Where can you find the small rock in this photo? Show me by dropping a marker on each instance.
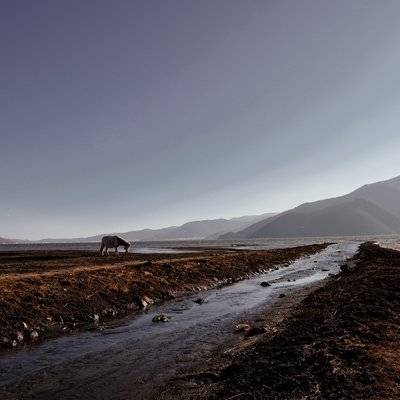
(25, 325)
(148, 300)
(14, 343)
(199, 301)
(168, 267)
(161, 318)
(256, 331)
(143, 303)
(242, 328)
(265, 284)
(34, 335)
(49, 319)
(20, 336)
(282, 295)
(344, 268)
(148, 273)
(96, 318)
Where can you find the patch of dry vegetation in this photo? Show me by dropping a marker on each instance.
(44, 294)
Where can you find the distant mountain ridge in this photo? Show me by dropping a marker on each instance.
(372, 209)
(10, 241)
(204, 229)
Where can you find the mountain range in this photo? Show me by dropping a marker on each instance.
(8, 241)
(204, 229)
(373, 209)
(4, 240)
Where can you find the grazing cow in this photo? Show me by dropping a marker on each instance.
(113, 242)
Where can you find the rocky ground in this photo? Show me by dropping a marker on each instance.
(49, 293)
(341, 342)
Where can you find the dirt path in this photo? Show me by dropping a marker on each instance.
(42, 261)
(118, 263)
(133, 360)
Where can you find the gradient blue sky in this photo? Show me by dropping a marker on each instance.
(118, 115)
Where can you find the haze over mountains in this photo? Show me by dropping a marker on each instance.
(205, 229)
(372, 209)
(9, 241)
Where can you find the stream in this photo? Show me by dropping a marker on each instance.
(133, 358)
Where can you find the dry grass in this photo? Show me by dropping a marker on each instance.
(53, 293)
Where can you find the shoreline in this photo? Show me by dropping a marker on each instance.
(48, 294)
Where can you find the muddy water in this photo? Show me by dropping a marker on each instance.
(132, 360)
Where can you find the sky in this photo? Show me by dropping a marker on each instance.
(121, 115)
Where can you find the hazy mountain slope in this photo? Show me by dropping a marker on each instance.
(5, 241)
(10, 241)
(240, 223)
(371, 209)
(194, 229)
(385, 194)
(249, 231)
(353, 217)
(190, 230)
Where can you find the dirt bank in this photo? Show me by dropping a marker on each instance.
(341, 343)
(45, 294)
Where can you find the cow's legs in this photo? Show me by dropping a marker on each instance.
(101, 249)
(116, 251)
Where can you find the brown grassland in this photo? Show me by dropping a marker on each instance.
(49, 293)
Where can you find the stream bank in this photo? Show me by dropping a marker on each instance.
(45, 294)
(135, 359)
(340, 343)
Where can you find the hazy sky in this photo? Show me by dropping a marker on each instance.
(117, 115)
